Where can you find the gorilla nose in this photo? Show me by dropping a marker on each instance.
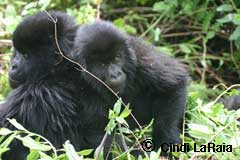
(116, 74)
(13, 67)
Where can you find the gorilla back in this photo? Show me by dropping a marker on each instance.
(44, 95)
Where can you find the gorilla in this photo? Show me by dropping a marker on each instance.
(153, 83)
(44, 96)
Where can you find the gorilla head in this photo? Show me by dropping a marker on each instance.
(152, 82)
(44, 97)
(104, 51)
(36, 55)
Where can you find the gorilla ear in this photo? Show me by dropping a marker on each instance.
(133, 56)
(58, 59)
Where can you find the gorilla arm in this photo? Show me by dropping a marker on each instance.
(167, 81)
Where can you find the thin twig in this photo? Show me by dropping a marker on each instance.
(224, 92)
(124, 142)
(127, 9)
(85, 70)
(152, 26)
(233, 59)
(204, 63)
(100, 147)
(218, 78)
(181, 34)
(98, 10)
(234, 5)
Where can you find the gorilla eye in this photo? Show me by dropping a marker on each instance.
(118, 57)
(25, 56)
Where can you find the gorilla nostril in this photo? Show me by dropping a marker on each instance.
(13, 67)
(115, 75)
(119, 73)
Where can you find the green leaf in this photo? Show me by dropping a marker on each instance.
(184, 48)
(125, 130)
(233, 92)
(110, 126)
(119, 22)
(117, 107)
(130, 29)
(5, 131)
(33, 155)
(235, 34)
(149, 125)
(30, 143)
(236, 19)
(160, 6)
(16, 124)
(7, 141)
(228, 18)
(125, 113)
(225, 8)
(100, 155)
(86, 152)
(237, 44)
(44, 156)
(3, 150)
(165, 50)
(70, 151)
(210, 35)
(235, 141)
(200, 131)
(111, 114)
(44, 3)
(121, 121)
(154, 155)
(217, 109)
(157, 34)
(10, 11)
(207, 21)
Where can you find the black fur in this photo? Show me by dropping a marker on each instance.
(44, 95)
(155, 84)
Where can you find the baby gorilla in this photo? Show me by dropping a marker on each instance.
(44, 95)
(153, 83)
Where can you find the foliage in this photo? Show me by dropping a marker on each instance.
(37, 144)
(204, 34)
(211, 123)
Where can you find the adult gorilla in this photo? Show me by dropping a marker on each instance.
(153, 83)
(44, 93)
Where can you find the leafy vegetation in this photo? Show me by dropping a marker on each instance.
(203, 34)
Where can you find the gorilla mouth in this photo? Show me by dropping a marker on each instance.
(14, 83)
(15, 80)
